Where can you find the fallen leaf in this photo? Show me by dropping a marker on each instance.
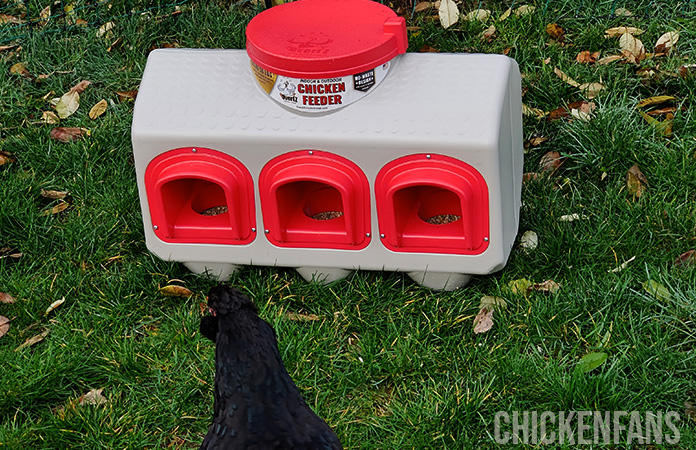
(428, 49)
(550, 162)
(537, 141)
(492, 302)
(422, 6)
(583, 111)
(93, 397)
(6, 18)
(127, 95)
(6, 157)
(478, 14)
(623, 12)
(657, 290)
(173, 290)
(565, 78)
(585, 57)
(6, 298)
(68, 104)
(535, 112)
(663, 127)
(547, 286)
(98, 109)
(64, 134)
(33, 340)
(505, 15)
(50, 117)
(555, 31)
(652, 101)
(636, 181)
(686, 259)
(54, 305)
(529, 240)
(54, 195)
(6, 252)
(686, 70)
(572, 217)
(520, 286)
(483, 321)
(448, 13)
(80, 87)
(45, 15)
(665, 110)
(4, 325)
(690, 411)
(60, 207)
(488, 34)
(530, 176)
(104, 29)
(618, 31)
(609, 59)
(632, 48)
(21, 70)
(524, 10)
(590, 362)
(622, 266)
(666, 42)
(7, 47)
(591, 90)
(297, 317)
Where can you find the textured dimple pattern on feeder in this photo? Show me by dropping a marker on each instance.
(194, 91)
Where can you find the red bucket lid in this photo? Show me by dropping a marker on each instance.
(325, 38)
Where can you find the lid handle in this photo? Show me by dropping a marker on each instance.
(397, 27)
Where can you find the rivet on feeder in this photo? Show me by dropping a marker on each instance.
(194, 150)
(155, 227)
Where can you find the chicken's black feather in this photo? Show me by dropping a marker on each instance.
(257, 405)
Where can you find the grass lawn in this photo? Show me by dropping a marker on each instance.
(388, 364)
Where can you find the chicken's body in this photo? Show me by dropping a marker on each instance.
(257, 405)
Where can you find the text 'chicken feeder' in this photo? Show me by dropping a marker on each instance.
(323, 147)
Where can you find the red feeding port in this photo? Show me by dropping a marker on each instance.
(432, 204)
(198, 195)
(315, 199)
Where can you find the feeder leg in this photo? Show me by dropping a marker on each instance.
(220, 271)
(323, 275)
(440, 281)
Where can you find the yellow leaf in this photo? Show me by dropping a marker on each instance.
(636, 181)
(54, 305)
(50, 117)
(524, 10)
(33, 340)
(591, 90)
(478, 14)
(173, 290)
(664, 127)
(520, 286)
(60, 207)
(98, 109)
(565, 77)
(68, 104)
(448, 13)
(652, 101)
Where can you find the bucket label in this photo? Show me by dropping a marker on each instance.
(319, 94)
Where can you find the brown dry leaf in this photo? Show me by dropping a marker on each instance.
(591, 90)
(550, 162)
(632, 48)
(666, 42)
(524, 10)
(636, 181)
(117, 43)
(50, 117)
(530, 176)
(98, 109)
(690, 411)
(45, 15)
(33, 340)
(565, 78)
(448, 13)
(172, 290)
(105, 30)
(6, 252)
(505, 15)
(21, 70)
(428, 49)
(534, 112)
(585, 57)
(6, 157)
(54, 305)
(6, 298)
(618, 31)
(555, 31)
(6, 18)
(298, 317)
(609, 59)
(652, 101)
(478, 15)
(686, 259)
(60, 207)
(583, 111)
(686, 70)
(127, 95)
(483, 321)
(422, 6)
(68, 134)
(93, 397)
(80, 87)
(623, 12)
(488, 34)
(536, 141)
(659, 112)
(4, 325)
(54, 195)
(549, 286)
(7, 47)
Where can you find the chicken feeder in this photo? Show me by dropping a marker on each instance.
(326, 148)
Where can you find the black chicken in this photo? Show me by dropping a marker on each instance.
(257, 405)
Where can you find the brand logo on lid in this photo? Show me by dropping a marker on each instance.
(309, 44)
